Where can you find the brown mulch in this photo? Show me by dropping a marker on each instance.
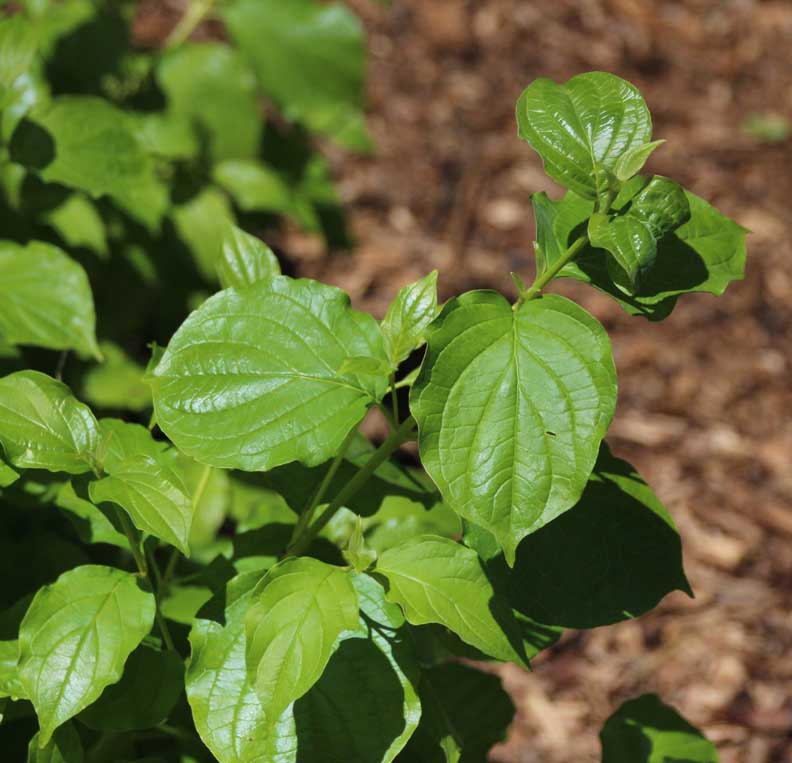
(705, 407)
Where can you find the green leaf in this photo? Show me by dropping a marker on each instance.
(17, 51)
(299, 610)
(254, 187)
(629, 241)
(10, 685)
(211, 84)
(76, 637)
(400, 518)
(644, 730)
(45, 299)
(583, 127)
(511, 407)
(202, 223)
(245, 259)
(42, 426)
(79, 224)
(704, 254)
(210, 489)
(143, 698)
(153, 495)
(64, 747)
(117, 382)
(8, 476)
(357, 553)
(465, 713)
(409, 315)
(121, 440)
(631, 162)
(90, 524)
(246, 362)
(436, 580)
(614, 556)
(87, 143)
(309, 57)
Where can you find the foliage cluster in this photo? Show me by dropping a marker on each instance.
(248, 579)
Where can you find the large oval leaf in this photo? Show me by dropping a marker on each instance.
(76, 637)
(436, 580)
(299, 610)
(42, 426)
(253, 378)
(45, 299)
(511, 407)
(583, 126)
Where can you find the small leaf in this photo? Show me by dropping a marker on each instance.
(511, 407)
(408, 317)
(253, 186)
(8, 476)
(247, 361)
(76, 637)
(143, 698)
(359, 556)
(299, 610)
(45, 299)
(117, 382)
(211, 84)
(436, 580)
(644, 730)
(79, 224)
(631, 162)
(583, 127)
(64, 747)
(120, 440)
(153, 495)
(42, 426)
(629, 241)
(245, 260)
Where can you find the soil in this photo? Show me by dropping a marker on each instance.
(705, 403)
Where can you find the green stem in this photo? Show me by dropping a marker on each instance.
(394, 399)
(195, 14)
(542, 280)
(143, 569)
(316, 499)
(396, 438)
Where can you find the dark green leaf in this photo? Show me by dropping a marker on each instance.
(511, 407)
(76, 637)
(248, 361)
(644, 730)
(64, 747)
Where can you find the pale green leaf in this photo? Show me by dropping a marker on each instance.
(64, 747)
(511, 407)
(253, 186)
(248, 361)
(582, 128)
(144, 697)
(8, 476)
(154, 497)
(42, 426)
(79, 224)
(76, 637)
(117, 382)
(644, 730)
(210, 489)
(408, 317)
(364, 366)
(10, 685)
(245, 259)
(45, 299)
(87, 143)
(309, 57)
(210, 83)
(436, 580)
(167, 134)
(120, 440)
(631, 162)
(17, 50)
(298, 612)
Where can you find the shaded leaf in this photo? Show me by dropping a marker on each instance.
(64, 747)
(117, 382)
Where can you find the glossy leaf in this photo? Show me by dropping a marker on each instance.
(245, 259)
(212, 85)
(436, 580)
(644, 730)
(298, 612)
(153, 495)
(76, 637)
(631, 162)
(409, 315)
(121, 440)
(629, 241)
(309, 57)
(247, 361)
(705, 254)
(45, 299)
(143, 698)
(86, 143)
(583, 127)
(42, 426)
(511, 407)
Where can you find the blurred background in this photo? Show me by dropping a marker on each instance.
(705, 407)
